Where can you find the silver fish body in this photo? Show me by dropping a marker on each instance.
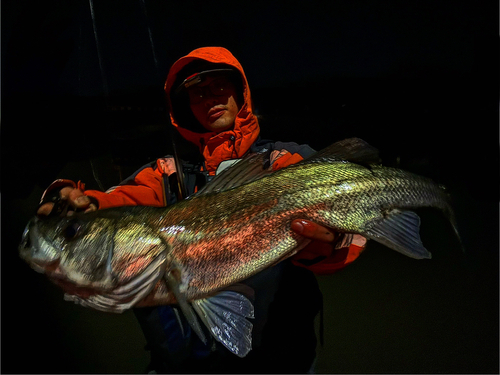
(244, 230)
(135, 256)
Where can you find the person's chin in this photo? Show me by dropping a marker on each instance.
(219, 126)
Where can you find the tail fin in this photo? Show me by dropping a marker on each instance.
(450, 215)
(453, 221)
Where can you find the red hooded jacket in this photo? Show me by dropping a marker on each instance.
(146, 187)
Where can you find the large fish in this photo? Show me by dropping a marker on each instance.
(195, 252)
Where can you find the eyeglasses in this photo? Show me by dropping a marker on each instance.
(218, 87)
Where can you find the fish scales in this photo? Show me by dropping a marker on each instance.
(122, 257)
(213, 255)
(221, 238)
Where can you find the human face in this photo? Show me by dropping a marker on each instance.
(213, 103)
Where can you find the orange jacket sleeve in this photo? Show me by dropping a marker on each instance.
(320, 257)
(144, 189)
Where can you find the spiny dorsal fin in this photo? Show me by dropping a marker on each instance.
(257, 165)
(353, 150)
(250, 168)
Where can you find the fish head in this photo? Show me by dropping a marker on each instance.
(106, 254)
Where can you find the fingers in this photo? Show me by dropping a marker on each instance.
(74, 197)
(312, 230)
(45, 209)
(92, 207)
(78, 201)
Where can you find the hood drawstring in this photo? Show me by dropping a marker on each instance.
(233, 139)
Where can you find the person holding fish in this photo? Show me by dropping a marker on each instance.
(210, 106)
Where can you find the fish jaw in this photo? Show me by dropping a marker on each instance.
(36, 250)
(144, 287)
(108, 261)
(45, 258)
(47, 252)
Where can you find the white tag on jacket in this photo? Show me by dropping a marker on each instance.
(226, 164)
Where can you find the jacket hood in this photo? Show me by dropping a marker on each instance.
(215, 147)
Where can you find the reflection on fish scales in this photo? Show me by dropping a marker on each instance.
(194, 252)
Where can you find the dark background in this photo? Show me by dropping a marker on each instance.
(82, 99)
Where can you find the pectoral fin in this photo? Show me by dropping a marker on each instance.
(186, 309)
(225, 316)
(399, 230)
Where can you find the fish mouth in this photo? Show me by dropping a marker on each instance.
(106, 294)
(40, 253)
(124, 296)
(37, 250)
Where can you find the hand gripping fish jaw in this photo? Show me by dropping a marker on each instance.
(52, 195)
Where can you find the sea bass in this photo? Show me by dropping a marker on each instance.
(194, 252)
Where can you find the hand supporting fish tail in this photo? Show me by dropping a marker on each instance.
(313, 231)
(329, 251)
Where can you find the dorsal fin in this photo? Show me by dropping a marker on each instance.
(257, 165)
(353, 150)
(248, 169)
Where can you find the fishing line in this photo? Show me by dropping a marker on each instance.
(99, 52)
(103, 80)
(150, 34)
(181, 186)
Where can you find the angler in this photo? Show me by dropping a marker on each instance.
(210, 106)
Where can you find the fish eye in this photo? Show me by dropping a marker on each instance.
(72, 230)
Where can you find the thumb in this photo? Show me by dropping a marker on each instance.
(312, 230)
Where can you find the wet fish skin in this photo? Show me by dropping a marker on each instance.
(138, 256)
(246, 229)
(109, 253)
(221, 238)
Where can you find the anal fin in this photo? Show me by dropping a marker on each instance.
(225, 314)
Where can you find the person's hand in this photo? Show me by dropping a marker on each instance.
(312, 230)
(69, 195)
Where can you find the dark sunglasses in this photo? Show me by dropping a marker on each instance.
(218, 87)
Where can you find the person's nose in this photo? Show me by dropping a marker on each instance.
(210, 100)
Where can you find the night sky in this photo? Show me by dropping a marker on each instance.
(82, 98)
